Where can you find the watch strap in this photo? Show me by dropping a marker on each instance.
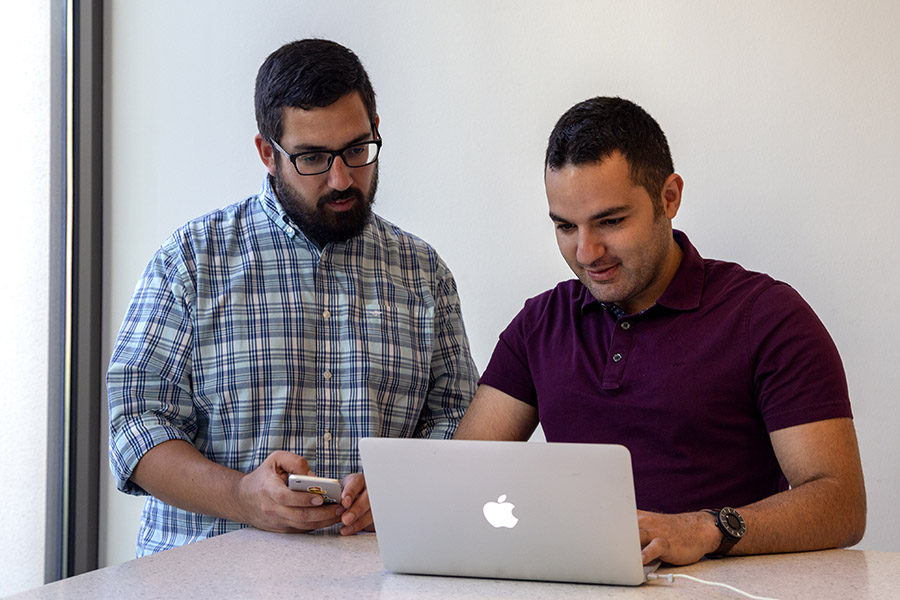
(728, 540)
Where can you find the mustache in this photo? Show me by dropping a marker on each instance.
(351, 192)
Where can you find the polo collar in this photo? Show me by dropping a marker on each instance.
(683, 292)
(686, 287)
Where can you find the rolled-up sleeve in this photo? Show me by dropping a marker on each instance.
(149, 377)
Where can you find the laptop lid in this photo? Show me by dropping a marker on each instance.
(514, 510)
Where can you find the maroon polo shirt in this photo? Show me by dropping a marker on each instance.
(692, 386)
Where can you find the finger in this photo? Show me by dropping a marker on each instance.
(284, 463)
(355, 497)
(357, 512)
(353, 486)
(364, 521)
(359, 507)
(655, 549)
(646, 536)
(297, 498)
(286, 518)
(308, 519)
(358, 516)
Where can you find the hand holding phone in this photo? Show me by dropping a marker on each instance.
(329, 489)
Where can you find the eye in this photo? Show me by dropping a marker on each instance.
(312, 158)
(612, 222)
(565, 227)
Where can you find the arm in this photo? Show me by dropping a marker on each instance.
(825, 507)
(495, 415)
(176, 473)
(453, 375)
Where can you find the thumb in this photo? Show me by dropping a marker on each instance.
(288, 462)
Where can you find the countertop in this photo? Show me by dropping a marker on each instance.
(255, 564)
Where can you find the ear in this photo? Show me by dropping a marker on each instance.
(671, 194)
(377, 123)
(266, 153)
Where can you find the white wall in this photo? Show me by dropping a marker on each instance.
(782, 118)
(24, 333)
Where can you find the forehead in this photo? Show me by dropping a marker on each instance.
(330, 126)
(590, 188)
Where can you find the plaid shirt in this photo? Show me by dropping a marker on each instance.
(243, 337)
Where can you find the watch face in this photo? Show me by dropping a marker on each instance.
(732, 522)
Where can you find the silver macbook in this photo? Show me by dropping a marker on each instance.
(512, 510)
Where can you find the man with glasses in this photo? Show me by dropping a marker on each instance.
(269, 336)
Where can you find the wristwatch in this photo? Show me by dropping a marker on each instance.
(731, 524)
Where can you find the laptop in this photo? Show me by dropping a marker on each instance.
(509, 510)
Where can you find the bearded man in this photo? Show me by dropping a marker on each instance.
(267, 337)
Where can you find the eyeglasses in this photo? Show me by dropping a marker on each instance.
(317, 162)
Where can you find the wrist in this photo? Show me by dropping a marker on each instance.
(235, 503)
(731, 526)
(712, 535)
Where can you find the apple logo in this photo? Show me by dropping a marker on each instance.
(499, 513)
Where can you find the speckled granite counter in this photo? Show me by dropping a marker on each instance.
(260, 565)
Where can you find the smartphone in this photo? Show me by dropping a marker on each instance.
(329, 489)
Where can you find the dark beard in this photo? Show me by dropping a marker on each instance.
(321, 225)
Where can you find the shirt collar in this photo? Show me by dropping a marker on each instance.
(686, 287)
(682, 293)
(274, 210)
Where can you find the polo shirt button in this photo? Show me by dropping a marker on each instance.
(327, 374)
(326, 313)
(617, 357)
(625, 325)
(327, 436)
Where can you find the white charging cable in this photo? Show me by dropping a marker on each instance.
(671, 576)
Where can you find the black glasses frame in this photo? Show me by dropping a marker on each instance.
(333, 153)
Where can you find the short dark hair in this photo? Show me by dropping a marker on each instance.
(593, 130)
(305, 74)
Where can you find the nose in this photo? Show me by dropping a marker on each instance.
(591, 248)
(339, 177)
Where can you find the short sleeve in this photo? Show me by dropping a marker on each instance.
(508, 369)
(798, 373)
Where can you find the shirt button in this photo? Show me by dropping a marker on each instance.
(625, 325)
(326, 313)
(327, 436)
(616, 357)
(327, 374)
